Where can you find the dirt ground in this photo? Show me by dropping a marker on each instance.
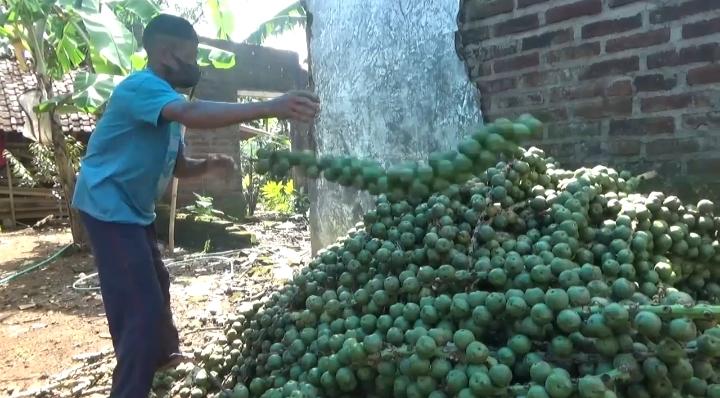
(53, 337)
(43, 322)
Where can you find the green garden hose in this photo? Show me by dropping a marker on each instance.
(35, 266)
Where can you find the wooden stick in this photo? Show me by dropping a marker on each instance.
(173, 207)
(12, 197)
(173, 210)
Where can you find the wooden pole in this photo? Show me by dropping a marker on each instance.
(12, 195)
(173, 207)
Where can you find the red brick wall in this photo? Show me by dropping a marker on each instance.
(629, 83)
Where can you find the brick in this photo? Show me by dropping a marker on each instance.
(666, 102)
(474, 36)
(497, 51)
(548, 115)
(642, 126)
(584, 50)
(620, 88)
(604, 107)
(561, 94)
(481, 9)
(665, 146)
(497, 85)
(611, 26)
(638, 40)
(679, 11)
(704, 75)
(669, 102)
(709, 52)
(562, 150)
(574, 130)
(612, 67)
(655, 82)
(573, 10)
(519, 100)
(703, 166)
(518, 62)
(545, 78)
(548, 39)
(517, 25)
(528, 3)
(620, 3)
(701, 28)
(623, 147)
(702, 121)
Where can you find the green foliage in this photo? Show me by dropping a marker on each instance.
(62, 36)
(278, 196)
(252, 181)
(301, 202)
(222, 17)
(192, 10)
(19, 171)
(207, 246)
(291, 17)
(203, 208)
(46, 171)
(43, 170)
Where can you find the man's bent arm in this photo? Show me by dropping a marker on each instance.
(188, 167)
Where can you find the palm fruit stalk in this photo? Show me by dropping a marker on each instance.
(413, 181)
(522, 280)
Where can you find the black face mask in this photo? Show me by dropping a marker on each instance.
(185, 75)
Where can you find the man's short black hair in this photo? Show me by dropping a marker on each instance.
(168, 26)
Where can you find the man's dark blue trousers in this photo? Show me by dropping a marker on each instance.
(135, 287)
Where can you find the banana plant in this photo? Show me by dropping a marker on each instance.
(290, 17)
(92, 38)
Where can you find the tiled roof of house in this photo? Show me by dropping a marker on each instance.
(13, 83)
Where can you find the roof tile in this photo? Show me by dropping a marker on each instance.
(14, 83)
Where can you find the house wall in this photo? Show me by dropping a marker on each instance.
(630, 83)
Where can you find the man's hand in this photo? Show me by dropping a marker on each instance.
(222, 165)
(298, 105)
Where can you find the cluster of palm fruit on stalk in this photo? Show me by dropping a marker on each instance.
(408, 181)
(525, 281)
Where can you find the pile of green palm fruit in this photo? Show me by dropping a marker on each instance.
(473, 278)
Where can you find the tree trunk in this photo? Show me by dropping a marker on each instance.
(392, 88)
(67, 184)
(66, 173)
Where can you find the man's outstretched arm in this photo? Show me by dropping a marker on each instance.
(209, 115)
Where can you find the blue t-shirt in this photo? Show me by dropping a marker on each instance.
(131, 154)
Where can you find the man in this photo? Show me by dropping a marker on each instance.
(131, 157)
